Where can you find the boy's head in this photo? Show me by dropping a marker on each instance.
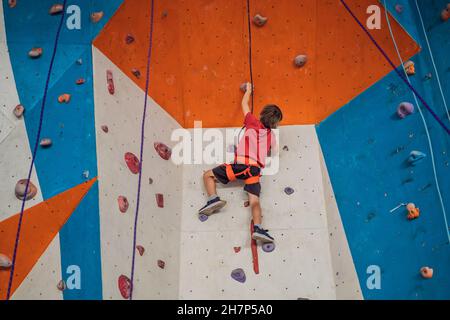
(270, 116)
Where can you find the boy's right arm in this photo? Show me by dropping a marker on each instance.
(246, 99)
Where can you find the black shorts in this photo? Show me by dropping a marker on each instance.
(221, 174)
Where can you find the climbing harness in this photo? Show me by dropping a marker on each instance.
(138, 197)
(233, 176)
(35, 148)
(415, 95)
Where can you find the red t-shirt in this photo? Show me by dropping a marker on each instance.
(256, 142)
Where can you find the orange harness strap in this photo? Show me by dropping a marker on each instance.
(233, 176)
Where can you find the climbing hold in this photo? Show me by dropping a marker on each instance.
(124, 284)
(61, 285)
(20, 190)
(426, 272)
(288, 191)
(129, 39)
(268, 247)
(96, 16)
(35, 53)
(86, 174)
(399, 8)
(80, 62)
(243, 87)
(416, 157)
(56, 9)
(164, 14)
(110, 81)
(409, 68)
(160, 200)
(259, 20)
(445, 14)
(413, 212)
(202, 217)
(161, 264)
(140, 249)
(246, 203)
(45, 142)
(150, 180)
(237, 249)
(80, 81)
(285, 148)
(163, 150)
(300, 60)
(12, 3)
(238, 275)
(123, 203)
(19, 110)
(105, 128)
(405, 109)
(132, 162)
(5, 262)
(64, 98)
(136, 73)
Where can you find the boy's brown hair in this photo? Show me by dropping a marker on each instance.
(270, 116)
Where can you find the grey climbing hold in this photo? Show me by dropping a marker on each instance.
(416, 157)
(259, 20)
(80, 62)
(20, 190)
(238, 275)
(202, 217)
(268, 247)
(19, 110)
(300, 60)
(288, 191)
(86, 174)
(5, 262)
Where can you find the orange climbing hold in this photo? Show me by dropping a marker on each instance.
(35, 53)
(96, 16)
(80, 81)
(56, 9)
(413, 212)
(64, 98)
(426, 272)
(410, 68)
(445, 14)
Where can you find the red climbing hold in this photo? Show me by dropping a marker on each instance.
(12, 3)
(124, 284)
(445, 14)
(20, 190)
(132, 162)
(5, 262)
(105, 128)
(110, 81)
(123, 203)
(129, 39)
(161, 264)
(160, 200)
(19, 110)
(96, 16)
(259, 20)
(35, 53)
(64, 98)
(80, 81)
(163, 150)
(56, 9)
(140, 249)
(237, 249)
(61, 285)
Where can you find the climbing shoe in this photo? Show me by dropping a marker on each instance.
(212, 206)
(261, 234)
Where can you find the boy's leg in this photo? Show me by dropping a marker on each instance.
(258, 232)
(214, 202)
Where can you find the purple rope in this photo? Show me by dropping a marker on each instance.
(395, 68)
(36, 144)
(149, 55)
(250, 50)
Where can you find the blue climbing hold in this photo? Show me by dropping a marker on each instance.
(416, 157)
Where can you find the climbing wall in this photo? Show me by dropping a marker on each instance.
(343, 150)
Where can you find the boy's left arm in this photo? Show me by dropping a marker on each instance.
(246, 99)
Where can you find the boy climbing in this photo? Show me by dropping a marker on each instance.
(250, 156)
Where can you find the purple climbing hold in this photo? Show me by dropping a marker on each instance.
(288, 191)
(405, 109)
(238, 275)
(202, 217)
(399, 8)
(268, 247)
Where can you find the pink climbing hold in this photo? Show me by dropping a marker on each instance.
(5, 262)
(19, 110)
(12, 3)
(237, 249)
(110, 81)
(61, 285)
(129, 39)
(399, 8)
(123, 203)
(161, 264)
(64, 98)
(124, 284)
(105, 128)
(163, 150)
(132, 162)
(405, 109)
(80, 81)
(160, 200)
(140, 249)
(20, 190)
(35, 53)
(56, 9)
(45, 142)
(259, 20)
